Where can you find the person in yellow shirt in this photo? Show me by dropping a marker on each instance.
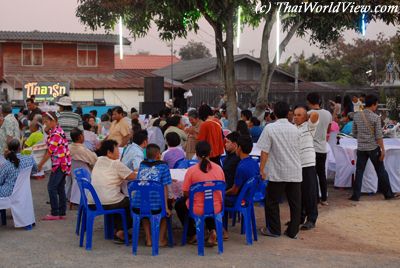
(34, 138)
(120, 131)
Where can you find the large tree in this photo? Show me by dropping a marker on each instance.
(321, 28)
(194, 50)
(174, 19)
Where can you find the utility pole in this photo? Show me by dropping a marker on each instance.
(375, 70)
(172, 69)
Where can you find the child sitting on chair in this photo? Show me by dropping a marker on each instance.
(174, 152)
(152, 169)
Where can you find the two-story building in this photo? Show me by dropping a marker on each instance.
(83, 63)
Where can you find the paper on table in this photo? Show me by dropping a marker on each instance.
(38, 151)
(178, 174)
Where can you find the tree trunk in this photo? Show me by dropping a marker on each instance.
(225, 62)
(262, 98)
(230, 87)
(267, 67)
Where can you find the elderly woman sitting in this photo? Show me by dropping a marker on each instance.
(12, 166)
(107, 176)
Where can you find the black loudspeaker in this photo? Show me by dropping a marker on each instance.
(151, 107)
(154, 89)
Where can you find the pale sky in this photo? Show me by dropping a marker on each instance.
(59, 15)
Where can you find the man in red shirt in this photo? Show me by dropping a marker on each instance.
(211, 132)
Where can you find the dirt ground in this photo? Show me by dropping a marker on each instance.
(348, 234)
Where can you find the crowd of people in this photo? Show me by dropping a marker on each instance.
(118, 147)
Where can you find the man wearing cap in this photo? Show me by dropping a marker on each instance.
(68, 119)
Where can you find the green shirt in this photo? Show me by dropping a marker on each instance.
(34, 138)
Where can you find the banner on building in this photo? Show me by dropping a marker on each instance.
(45, 91)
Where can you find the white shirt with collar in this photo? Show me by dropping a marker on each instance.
(281, 140)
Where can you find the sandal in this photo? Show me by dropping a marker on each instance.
(264, 231)
(210, 244)
(192, 241)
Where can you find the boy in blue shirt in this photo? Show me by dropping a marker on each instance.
(152, 169)
(247, 169)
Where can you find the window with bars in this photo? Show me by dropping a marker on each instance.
(32, 54)
(87, 55)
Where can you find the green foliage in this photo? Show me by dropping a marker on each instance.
(172, 18)
(194, 50)
(347, 63)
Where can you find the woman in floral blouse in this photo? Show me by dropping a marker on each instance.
(58, 152)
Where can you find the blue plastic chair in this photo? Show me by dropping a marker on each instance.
(177, 163)
(255, 158)
(184, 164)
(207, 188)
(81, 173)
(261, 192)
(88, 214)
(221, 159)
(245, 206)
(145, 188)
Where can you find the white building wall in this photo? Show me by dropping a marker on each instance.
(126, 98)
(81, 95)
(12, 93)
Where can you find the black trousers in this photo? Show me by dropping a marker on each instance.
(182, 211)
(309, 201)
(275, 190)
(383, 177)
(321, 172)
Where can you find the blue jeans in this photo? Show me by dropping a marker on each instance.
(383, 177)
(56, 189)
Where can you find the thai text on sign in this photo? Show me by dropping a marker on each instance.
(45, 91)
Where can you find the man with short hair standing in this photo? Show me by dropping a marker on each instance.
(307, 127)
(120, 131)
(368, 131)
(325, 119)
(279, 144)
(33, 109)
(9, 127)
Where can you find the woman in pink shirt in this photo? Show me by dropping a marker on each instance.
(205, 170)
(58, 152)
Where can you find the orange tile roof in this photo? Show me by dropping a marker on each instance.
(144, 62)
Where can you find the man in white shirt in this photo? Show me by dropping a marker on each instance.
(279, 144)
(325, 119)
(107, 176)
(307, 127)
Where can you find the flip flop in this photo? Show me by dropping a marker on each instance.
(211, 244)
(264, 231)
(192, 241)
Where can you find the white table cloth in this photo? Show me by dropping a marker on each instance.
(344, 158)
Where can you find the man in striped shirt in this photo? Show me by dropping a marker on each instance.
(307, 126)
(68, 119)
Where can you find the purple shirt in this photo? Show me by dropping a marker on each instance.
(172, 155)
